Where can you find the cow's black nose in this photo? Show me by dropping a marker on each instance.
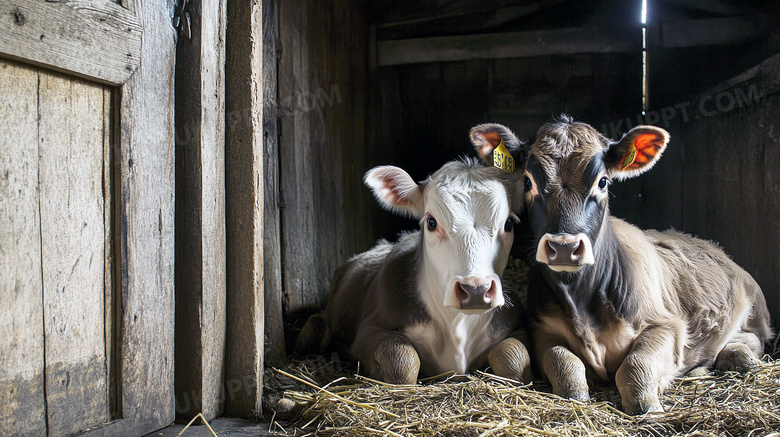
(568, 253)
(474, 297)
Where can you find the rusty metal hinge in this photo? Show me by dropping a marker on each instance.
(182, 20)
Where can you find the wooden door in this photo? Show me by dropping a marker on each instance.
(86, 217)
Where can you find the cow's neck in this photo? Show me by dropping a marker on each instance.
(601, 289)
(458, 339)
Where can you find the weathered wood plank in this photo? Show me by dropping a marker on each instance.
(295, 163)
(71, 147)
(213, 203)
(244, 94)
(470, 21)
(713, 31)
(101, 41)
(200, 142)
(729, 187)
(275, 352)
(505, 45)
(769, 275)
(322, 88)
(146, 160)
(22, 343)
(435, 10)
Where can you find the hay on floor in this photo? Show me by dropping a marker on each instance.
(329, 399)
(482, 404)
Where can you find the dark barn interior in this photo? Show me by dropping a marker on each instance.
(209, 156)
(401, 83)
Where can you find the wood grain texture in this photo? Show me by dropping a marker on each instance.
(146, 248)
(213, 321)
(21, 286)
(295, 163)
(464, 21)
(729, 185)
(101, 41)
(244, 94)
(275, 351)
(200, 143)
(505, 45)
(322, 109)
(144, 176)
(425, 11)
(71, 146)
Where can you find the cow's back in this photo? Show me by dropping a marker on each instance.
(716, 296)
(378, 284)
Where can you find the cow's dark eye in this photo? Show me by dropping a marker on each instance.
(528, 184)
(509, 225)
(603, 183)
(431, 224)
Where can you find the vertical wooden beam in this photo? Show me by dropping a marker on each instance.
(244, 92)
(22, 394)
(145, 163)
(71, 153)
(275, 352)
(200, 254)
(298, 233)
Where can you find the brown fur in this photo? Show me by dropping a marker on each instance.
(653, 306)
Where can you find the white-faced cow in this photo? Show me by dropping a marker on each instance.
(432, 302)
(612, 301)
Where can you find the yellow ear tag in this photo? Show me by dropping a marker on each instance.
(628, 157)
(502, 159)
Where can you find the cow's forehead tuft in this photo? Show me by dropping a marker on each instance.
(457, 186)
(567, 147)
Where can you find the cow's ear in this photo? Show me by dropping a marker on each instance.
(487, 137)
(636, 152)
(396, 190)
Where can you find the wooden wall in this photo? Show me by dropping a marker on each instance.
(316, 206)
(55, 262)
(719, 178)
(86, 218)
(200, 212)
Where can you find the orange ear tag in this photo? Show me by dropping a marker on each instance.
(503, 159)
(628, 157)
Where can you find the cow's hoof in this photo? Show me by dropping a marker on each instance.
(735, 358)
(575, 395)
(510, 359)
(566, 374)
(649, 404)
(398, 362)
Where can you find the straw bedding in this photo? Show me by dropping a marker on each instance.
(322, 397)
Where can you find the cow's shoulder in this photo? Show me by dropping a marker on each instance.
(394, 300)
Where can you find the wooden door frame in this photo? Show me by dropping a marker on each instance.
(130, 46)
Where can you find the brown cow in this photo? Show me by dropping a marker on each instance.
(433, 302)
(609, 300)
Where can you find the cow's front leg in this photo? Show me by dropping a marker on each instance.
(510, 359)
(651, 364)
(388, 355)
(563, 368)
(740, 354)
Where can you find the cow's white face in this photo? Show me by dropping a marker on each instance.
(467, 223)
